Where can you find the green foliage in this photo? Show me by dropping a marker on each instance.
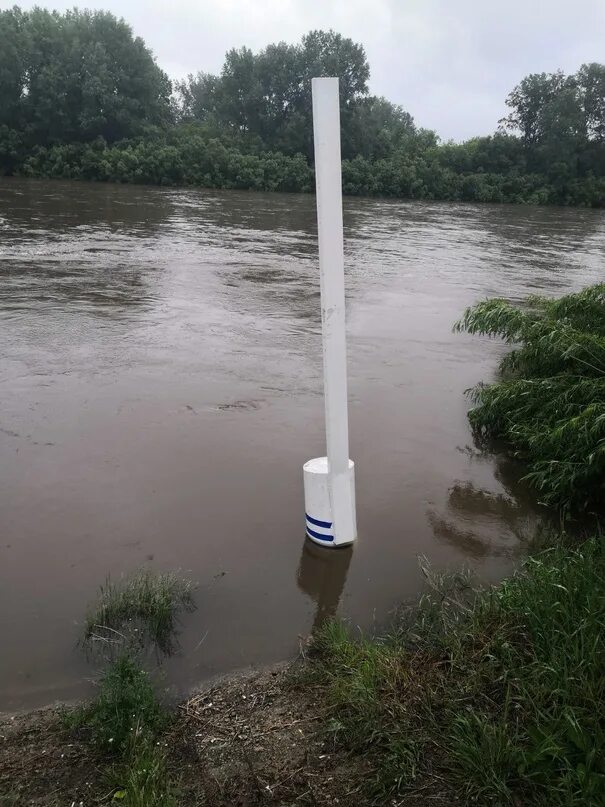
(561, 120)
(82, 98)
(76, 76)
(186, 158)
(500, 694)
(143, 778)
(549, 403)
(126, 708)
(548, 107)
(126, 719)
(267, 95)
(123, 721)
(12, 151)
(143, 607)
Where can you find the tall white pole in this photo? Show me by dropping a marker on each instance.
(337, 469)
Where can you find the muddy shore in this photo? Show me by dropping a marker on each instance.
(257, 737)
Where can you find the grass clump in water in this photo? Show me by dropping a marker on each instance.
(142, 608)
(497, 700)
(549, 402)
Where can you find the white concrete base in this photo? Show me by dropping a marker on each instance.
(321, 526)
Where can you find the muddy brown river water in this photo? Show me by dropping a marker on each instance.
(160, 389)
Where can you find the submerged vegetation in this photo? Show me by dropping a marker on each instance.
(83, 98)
(139, 609)
(549, 401)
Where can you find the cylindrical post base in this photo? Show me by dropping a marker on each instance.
(318, 509)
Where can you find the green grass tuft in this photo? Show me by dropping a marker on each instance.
(125, 707)
(139, 609)
(143, 778)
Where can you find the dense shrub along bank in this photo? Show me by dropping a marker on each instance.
(192, 160)
(181, 161)
(548, 403)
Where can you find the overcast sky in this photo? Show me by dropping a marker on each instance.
(450, 63)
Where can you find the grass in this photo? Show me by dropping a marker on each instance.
(126, 706)
(143, 779)
(549, 401)
(140, 609)
(499, 693)
(126, 719)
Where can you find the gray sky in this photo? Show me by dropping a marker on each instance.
(450, 63)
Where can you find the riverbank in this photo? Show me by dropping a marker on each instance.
(253, 738)
(486, 697)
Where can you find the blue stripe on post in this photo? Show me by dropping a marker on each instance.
(325, 524)
(320, 537)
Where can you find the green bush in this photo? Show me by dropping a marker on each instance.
(549, 402)
(189, 156)
(178, 161)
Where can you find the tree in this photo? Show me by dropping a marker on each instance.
(529, 100)
(268, 94)
(13, 48)
(554, 107)
(197, 97)
(76, 76)
(562, 124)
(376, 128)
(591, 81)
(325, 53)
(239, 96)
(82, 97)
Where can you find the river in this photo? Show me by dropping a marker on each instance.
(160, 390)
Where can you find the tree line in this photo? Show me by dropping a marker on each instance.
(83, 98)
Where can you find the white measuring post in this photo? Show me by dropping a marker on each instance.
(330, 481)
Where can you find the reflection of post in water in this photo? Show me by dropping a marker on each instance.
(321, 575)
